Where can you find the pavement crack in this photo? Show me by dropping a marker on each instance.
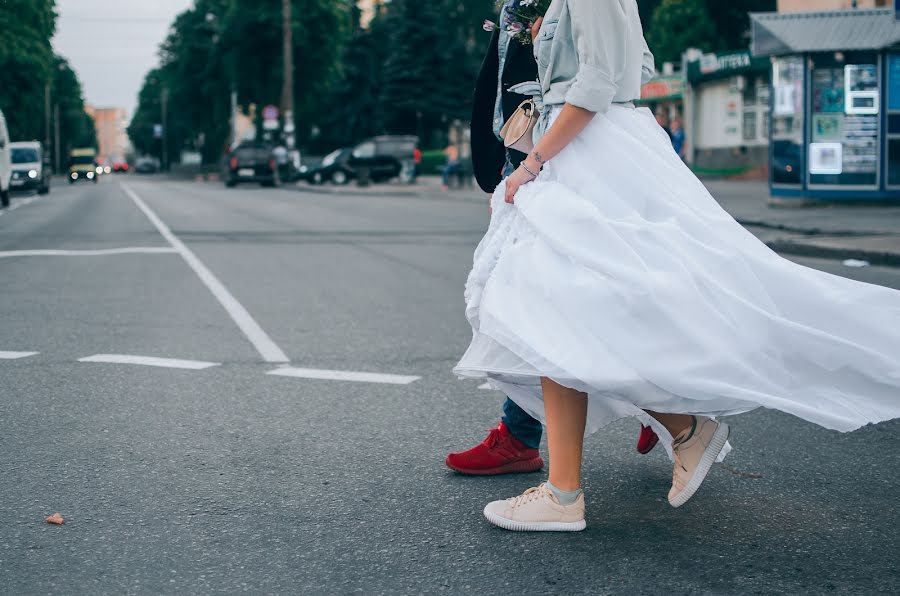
(739, 473)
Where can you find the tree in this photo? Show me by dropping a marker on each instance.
(76, 127)
(672, 26)
(220, 45)
(26, 62)
(678, 25)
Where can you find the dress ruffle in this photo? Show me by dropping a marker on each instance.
(618, 274)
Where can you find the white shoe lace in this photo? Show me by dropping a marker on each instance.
(530, 495)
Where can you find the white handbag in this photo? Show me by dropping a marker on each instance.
(518, 131)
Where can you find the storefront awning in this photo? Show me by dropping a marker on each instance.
(777, 34)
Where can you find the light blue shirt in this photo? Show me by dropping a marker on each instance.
(592, 53)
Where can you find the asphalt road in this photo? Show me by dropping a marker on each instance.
(222, 478)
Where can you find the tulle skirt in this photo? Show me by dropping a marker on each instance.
(616, 273)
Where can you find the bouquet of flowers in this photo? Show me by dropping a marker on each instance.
(518, 17)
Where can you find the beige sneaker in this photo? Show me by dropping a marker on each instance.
(695, 456)
(537, 510)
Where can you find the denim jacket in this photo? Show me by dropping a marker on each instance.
(592, 53)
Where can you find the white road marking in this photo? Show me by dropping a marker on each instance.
(485, 386)
(343, 375)
(16, 355)
(22, 203)
(267, 348)
(144, 250)
(149, 361)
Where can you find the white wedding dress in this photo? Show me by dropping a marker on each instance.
(616, 273)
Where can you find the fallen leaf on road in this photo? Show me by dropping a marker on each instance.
(56, 518)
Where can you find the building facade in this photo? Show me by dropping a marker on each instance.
(811, 5)
(111, 125)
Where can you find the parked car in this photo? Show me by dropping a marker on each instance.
(251, 163)
(382, 158)
(334, 167)
(5, 163)
(30, 167)
(146, 165)
(83, 165)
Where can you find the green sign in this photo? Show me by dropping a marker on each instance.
(715, 66)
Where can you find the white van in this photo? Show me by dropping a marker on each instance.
(30, 169)
(5, 165)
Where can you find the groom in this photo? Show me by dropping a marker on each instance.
(513, 445)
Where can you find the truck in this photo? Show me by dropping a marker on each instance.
(83, 165)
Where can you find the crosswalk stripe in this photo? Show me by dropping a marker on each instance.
(16, 355)
(343, 375)
(149, 361)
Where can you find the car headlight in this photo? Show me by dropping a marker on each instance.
(90, 174)
(74, 175)
(303, 169)
(32, 174)
(106, 170)
(99, 169)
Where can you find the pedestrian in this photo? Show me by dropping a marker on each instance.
(453, 165)
(513, 445)
(417, 163)
(662, 118)
(610, 283)
(678, 137)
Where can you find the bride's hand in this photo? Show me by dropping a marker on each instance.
(536, 28)
(515, 181)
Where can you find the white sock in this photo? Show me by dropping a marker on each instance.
(565, 497)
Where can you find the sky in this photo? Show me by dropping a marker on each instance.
(112, 44)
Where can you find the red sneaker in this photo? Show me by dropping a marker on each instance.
(647, 440)
(501, 453)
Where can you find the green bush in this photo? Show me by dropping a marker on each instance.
(433, 162)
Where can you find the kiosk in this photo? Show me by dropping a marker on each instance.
(834, 128)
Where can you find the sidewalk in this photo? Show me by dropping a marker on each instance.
(830, 231)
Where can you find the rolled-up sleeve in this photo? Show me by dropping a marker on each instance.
(648, 68)
(599, 29)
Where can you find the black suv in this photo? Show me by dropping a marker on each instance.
(252, 163)
(383, 158)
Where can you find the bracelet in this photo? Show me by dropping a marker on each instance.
(527, 169)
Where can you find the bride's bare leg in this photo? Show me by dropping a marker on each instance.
(674, 423)
(566, 412)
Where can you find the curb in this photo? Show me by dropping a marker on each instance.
(799, 249)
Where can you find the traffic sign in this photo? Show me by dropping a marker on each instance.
(270, 112)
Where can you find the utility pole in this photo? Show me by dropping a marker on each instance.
(287, 89)
(56, 147)
(165, 129)
(46, 117)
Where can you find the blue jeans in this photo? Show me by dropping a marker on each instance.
(522, 426)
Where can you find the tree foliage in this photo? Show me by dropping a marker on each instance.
(29, 68)
(76, 127)
(26, 64)
(410, 71)
(672, 26)
(678, 25)
(218, 46)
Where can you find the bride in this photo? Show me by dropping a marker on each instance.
(611, 284)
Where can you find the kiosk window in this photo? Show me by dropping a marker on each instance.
(844, 135)
(787, 120)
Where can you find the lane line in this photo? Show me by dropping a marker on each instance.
(149, 361)
(267, 348)
(22, 203)
(144, 250)
(343, 375)
(16, 355)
